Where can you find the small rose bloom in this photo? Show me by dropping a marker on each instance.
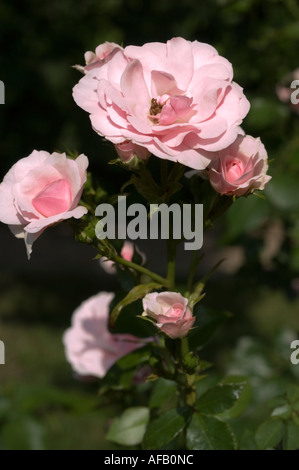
(171, 312)
(41, 190)
(178, 100)
(127, 150)
(240, 168)
(103, 53)
(89, 346)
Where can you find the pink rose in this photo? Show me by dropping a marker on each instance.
(103, 54)
(177, 100)
(41, 190)
(171, 312)
(127, 253)
(127, 150)
(89, 346)
(241, 168)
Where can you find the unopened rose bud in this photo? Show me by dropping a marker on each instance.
(240, 168)
(126, 151)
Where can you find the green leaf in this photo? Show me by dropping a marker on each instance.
(129, 429)
(283, 411)
(209, 433)
(283, 192)
(24, 433)
(242, 402)
(146, 186)
(220, 398)
(293, 393)
(165, 428)
(135, 358)
(163, 389)
(121, 374)
(247, 441)
(136, 293)
(276, 401)
(204, 365)
(291, 438)
(269, 433)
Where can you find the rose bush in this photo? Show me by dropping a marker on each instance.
(40, 190)
(170, 311)
(89, 346)
(178, 100)
(240, 168)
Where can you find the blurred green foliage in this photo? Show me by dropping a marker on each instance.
(41, 406)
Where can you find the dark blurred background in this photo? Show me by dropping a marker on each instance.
(41, 406)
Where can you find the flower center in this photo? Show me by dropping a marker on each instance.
(175, 312)
(155, 108)
(234, 170)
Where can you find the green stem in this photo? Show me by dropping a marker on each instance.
(171, 258)
(188, 390)
(192, 271)
(184, 347)
(141, 269)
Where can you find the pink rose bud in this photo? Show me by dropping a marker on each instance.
(41, 190)
(89, 346)
(103, 53)
(170, 311)
(127, 253)
(177, 100)
(240, 168)
(127, 150)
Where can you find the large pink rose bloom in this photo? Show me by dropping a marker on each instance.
(89, 347)
(170, 311)
(40, 190)
(241, 168)
(177, 100)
